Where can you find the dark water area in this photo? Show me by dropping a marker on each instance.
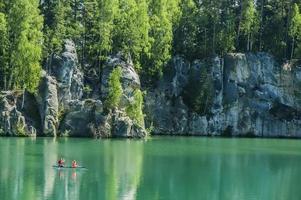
(172, 168)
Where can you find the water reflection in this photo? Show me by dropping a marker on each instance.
(222, 169)
(166, 168)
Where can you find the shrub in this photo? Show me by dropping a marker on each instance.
(134, 109)
(21, 129)
(115, 89)
(87, 90)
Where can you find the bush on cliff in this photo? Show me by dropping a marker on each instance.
(134, 109)
(115, 89)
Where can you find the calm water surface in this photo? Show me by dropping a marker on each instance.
(158, 168)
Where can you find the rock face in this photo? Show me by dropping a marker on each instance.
(87, 117)
(48, 105)
(129, 77)
(57, 109)
(81, 118)
(121, 124)
(237, 95)
(252, 96)
(12, 121)
(69, 78)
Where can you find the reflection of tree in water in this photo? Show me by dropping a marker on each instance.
(217, 171)
(159, 169)
(123, 168)
(49, 158)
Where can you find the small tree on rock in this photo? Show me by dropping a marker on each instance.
(115, 89)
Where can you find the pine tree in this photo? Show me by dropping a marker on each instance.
(25, 39)
(187, 40)
(99, 24)
(131, 32)
(3, 51)
(115, 89)
(135, 109)
(295, 27)
(161, 35)
(249, 22)
(54, 28)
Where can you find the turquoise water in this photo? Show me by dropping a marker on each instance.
(158, 168)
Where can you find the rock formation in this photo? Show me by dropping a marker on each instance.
(237, 95)
(252, 95)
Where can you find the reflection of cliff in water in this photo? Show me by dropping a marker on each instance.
(187, 168)
(215, 170)
(123, 168)
(114, 170)
(13, 170)
(50, 156)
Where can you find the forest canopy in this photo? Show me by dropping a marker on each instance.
(149, 31)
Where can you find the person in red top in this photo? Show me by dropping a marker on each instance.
(74, 164)
(61, 162)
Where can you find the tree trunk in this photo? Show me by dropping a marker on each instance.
(23, 99)
(4, 80)
(293, 46)
(287, 29)
(261, 25)
(10, 80)
(205, 41)
(213, 40)
(238, 28)
(248, 42)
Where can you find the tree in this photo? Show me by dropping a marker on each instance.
(115, 89)
(3, 51)
(25, 39)
(186, 39)
(99, 26)
(249, 22)
(131, 32)
(161, 35)
(54, 28)
(295, 27)
(134, 109)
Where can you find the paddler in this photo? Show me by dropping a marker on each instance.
(61, 162)
(74, 164)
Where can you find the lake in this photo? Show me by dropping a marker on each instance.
(171, 168)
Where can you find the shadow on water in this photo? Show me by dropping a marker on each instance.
(160, 168)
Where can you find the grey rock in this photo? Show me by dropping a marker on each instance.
(48, 104)
(80, 118)
(129, 78)
(122, 126)
(69, 77)
(12, 121)
(253, 96)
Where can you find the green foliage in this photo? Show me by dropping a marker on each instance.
(149, 31)
(135, 109)
(115, 89)
(54, 28)
(249, 22)
(295, 28)
(21, 129)
(131, 29)
(3, 51)
(99, 16)
(61, 113)
(87, 90)
(186, 35)
(295, 25)
(163, 16)
(25, 39)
